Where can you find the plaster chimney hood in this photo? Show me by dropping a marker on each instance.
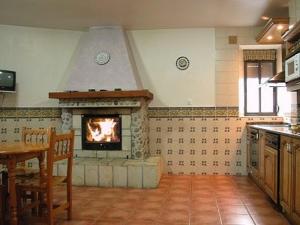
(103, 61)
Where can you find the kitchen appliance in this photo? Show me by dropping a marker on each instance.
(254, 149)
(292, 68)
(271, 165)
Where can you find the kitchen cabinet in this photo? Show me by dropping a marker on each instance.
(290, 177)
(285, 173)
(270, 172)
(296, 182)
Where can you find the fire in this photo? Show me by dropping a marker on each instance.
(102, 130)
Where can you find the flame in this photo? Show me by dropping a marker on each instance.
(102, 130)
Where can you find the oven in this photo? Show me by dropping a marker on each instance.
(253, 149)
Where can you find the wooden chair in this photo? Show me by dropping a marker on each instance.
(31, 136)
(61, 148)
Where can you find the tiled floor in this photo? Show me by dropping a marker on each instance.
(179, 200)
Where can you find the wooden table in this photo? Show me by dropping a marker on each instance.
(10, 154)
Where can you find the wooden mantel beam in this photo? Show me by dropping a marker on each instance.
(102, 94)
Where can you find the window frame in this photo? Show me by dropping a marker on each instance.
(274, 113)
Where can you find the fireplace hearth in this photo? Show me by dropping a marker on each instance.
(111, 146)
(101, 132)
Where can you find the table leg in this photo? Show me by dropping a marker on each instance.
(12, 191)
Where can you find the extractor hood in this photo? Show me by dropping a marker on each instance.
(277, 81)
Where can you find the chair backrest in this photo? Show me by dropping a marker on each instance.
(35, 136)
(61, 147)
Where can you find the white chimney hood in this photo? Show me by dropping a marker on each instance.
(89, 68)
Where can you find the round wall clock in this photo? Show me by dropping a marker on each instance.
(182, 63)
(102, 58)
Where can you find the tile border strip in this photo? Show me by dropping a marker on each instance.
(154, 112)
(30, 112)
(168, 112)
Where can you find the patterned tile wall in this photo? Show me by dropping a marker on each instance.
(214, 143)
(13, 119)
(203, 140)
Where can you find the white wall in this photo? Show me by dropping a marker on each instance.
(156, 51)
(294, 11)
(229, 63)
(40, 57)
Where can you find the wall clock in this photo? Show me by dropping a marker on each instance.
(182, 63)
(102, 58)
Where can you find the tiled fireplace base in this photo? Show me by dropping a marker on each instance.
(113, 172)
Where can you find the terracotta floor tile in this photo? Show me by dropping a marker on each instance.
(202, 200)
(229, 201)
(110, 222)
(146, 205)
(176, 206)
(262, 210)
(236, 219)
(114, 213)
(77, 222)
(171, 216)
(233, 209)
(204, 209)
(179, 200)
(149, 215)
(275, 219)
(207, 219)
(140, 222)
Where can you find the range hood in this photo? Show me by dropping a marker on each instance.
(277, 81)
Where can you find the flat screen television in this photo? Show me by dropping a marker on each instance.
(7, 81)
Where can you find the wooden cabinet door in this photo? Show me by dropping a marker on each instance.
(285, 173)
(270, 172)
(296, 182)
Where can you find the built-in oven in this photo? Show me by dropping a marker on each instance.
(253, 149)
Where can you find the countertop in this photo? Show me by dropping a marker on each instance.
(276, 128)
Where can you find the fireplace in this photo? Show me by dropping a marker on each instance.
(101, 132)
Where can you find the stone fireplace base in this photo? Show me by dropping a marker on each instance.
(112, 172)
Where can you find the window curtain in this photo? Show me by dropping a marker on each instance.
(253, 55)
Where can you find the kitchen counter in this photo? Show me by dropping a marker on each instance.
(276, 128)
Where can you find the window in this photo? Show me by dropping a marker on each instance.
(259, 99)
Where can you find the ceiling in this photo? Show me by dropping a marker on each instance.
(139, 14)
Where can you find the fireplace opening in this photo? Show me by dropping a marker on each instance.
(101, 132)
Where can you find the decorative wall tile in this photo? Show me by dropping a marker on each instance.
(211, 144)
(200, 140)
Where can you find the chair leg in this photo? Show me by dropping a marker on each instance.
(42, 201)
(50, 216)
(2, 209)
(69, 198)
(19, 203)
